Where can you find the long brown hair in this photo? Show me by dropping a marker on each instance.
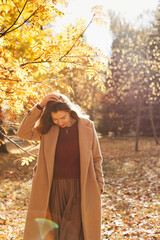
(62, 104)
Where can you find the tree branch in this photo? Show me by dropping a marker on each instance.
(72, 56)
(24, 64)
(7, 30)
(24, 21)
(49, 61)
(77, 39)
(17, 145)
(8, 79)
(7, 91)
(16, 6)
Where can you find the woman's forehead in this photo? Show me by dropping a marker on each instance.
(59, 114)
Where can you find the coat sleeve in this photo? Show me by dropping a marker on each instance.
(27, 128)
(97, 159)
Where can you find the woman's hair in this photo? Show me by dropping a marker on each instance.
(62, 104)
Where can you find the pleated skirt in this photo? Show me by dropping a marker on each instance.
(65, 208)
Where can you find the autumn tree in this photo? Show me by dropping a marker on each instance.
(21, 65)
(154, 66)
(133, 69)
(84, 83)
(32, 55)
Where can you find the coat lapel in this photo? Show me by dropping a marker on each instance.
(50, 141)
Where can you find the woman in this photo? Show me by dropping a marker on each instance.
(68, 178)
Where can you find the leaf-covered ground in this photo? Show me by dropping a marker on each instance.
(130, 203)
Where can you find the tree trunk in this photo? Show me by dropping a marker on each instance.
(92, 110)
(2, 142)
(152, 123)
(138, 124)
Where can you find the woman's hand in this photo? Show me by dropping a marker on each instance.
(51, 97)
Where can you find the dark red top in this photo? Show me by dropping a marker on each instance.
(67, 159)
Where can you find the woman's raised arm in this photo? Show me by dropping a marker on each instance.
(27, 128)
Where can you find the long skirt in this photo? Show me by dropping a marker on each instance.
(65, 208)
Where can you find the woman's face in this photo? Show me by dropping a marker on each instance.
(61, 118)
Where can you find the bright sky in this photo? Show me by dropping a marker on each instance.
(100, 36)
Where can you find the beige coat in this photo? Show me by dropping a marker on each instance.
(91, 175)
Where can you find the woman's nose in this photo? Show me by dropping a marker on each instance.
(60, 122)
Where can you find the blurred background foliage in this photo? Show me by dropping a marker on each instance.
(121, 93)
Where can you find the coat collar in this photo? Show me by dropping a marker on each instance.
(85, 143)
